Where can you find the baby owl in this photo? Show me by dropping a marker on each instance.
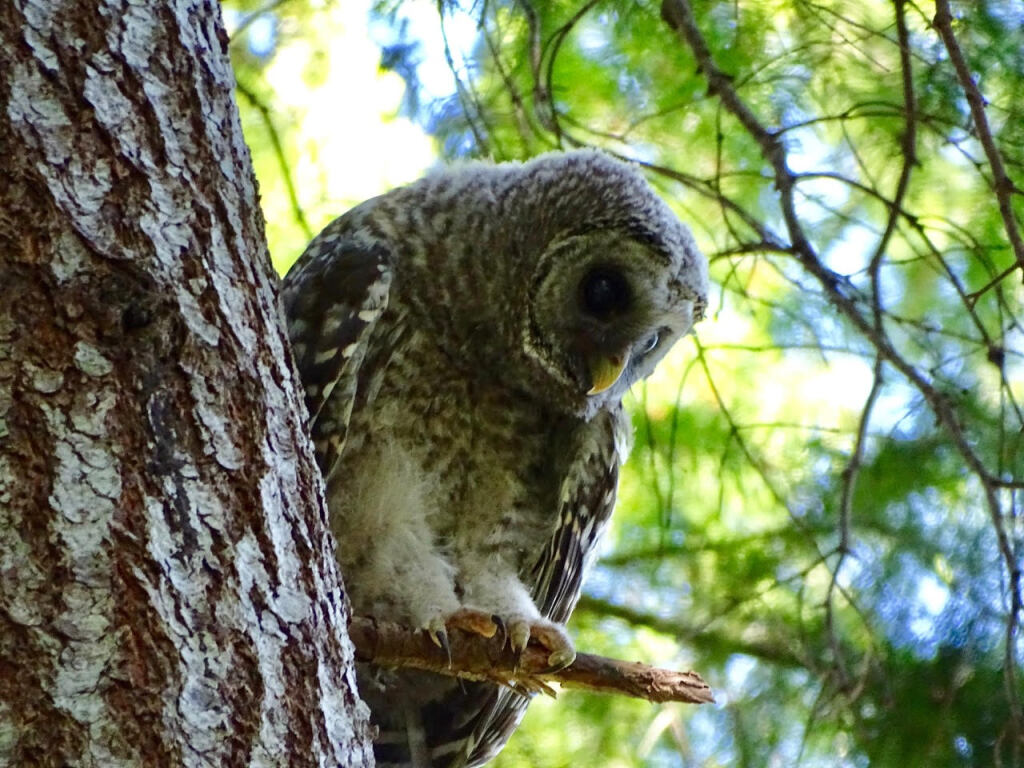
(465, 343)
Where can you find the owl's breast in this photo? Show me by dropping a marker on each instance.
(491, 459)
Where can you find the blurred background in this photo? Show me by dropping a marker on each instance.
(823, 510)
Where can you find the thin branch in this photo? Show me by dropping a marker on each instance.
(250, 18)
(973, 296)
(544, 95)
(1002, 185)
(536, 49)
(474, 657)
(853, 467)
(844, 548)
(524, 121)
(751, 642)
(909, 153)
(282, 160)
(465, 95)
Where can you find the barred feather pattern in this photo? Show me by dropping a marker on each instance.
(445, 343)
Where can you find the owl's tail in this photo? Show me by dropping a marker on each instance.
(409, 747)
(404, 746)
(464, 728)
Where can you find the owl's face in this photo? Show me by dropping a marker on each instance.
(604, 309)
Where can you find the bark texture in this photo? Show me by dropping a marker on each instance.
(168, 594)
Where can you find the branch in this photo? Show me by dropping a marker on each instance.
(1002, 185)
(279, 153)
(474, 657)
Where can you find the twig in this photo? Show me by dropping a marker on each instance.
(845, 547)
(756, 643)
(908, 144)
(250, 18)
(1001, 182)
(522, 114)
(973, 296)
(544, 94)
(465, 95)
(279, 153)
(490, 659)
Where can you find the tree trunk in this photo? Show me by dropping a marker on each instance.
(168, 593)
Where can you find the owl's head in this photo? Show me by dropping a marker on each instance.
(616, 280)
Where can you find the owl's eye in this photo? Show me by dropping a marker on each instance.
(604, 291)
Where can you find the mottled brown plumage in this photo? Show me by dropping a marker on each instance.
(465, 343)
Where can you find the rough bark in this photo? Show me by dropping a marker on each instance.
(167, 590)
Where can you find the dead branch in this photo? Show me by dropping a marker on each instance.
(474, 657)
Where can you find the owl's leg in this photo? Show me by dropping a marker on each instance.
(422, 582)
(415, 590)
(388, 549)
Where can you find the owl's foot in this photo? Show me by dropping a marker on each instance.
(517, 631)
(465, 618)
(553, 637)
(477, 622)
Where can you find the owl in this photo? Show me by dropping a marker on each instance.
(465, 343)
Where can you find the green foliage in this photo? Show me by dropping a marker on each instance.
(823, 510)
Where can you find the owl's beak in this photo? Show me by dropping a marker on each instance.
(605, 370)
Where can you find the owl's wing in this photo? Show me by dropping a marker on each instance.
(585, 503)
(586, 499)
(332, 297)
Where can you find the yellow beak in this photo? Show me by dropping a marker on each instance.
(605, 371)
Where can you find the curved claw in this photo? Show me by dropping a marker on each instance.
(518, 639)
(501, 628)
(555, 639)
(518, 631)
(439, 636)
(442, 640)
(560, 659)
(515, 631)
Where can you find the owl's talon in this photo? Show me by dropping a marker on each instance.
(560, 659)
(518, 632)
(553, 637)
(438, 635)
(502, 629)
(445, 646)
